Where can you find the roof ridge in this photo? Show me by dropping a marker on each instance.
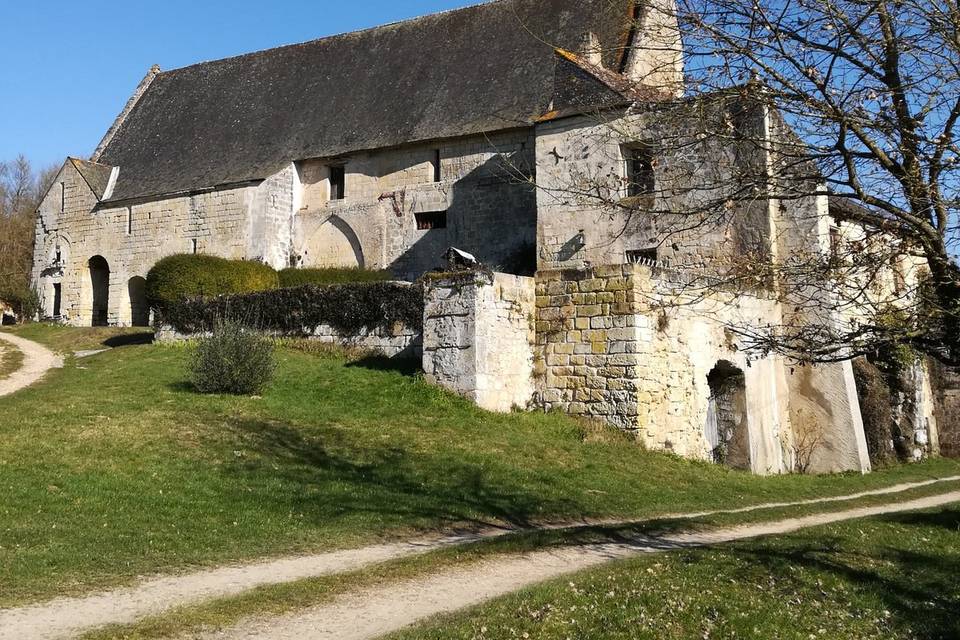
(345, 34)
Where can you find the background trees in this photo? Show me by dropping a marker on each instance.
(21, 188)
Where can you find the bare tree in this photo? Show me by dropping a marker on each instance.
(792, 102)
(21, 189)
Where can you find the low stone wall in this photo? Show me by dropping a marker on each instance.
(400, 341)
(478, 337)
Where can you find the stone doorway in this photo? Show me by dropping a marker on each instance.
(100, 287)
(726, 429)
(139, 309)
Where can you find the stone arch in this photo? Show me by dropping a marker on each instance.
(727, 429)
(99, 270)
(139, 309)
(334, 244)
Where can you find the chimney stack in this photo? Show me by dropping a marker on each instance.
(590, 49)
(655, 52)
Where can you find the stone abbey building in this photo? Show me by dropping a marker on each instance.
(473, 128)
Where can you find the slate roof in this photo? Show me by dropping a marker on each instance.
(484, 68)
(97, 176)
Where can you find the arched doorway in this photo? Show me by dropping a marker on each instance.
(100, 287)
(334, 244)
(139, 309)
(726, 428)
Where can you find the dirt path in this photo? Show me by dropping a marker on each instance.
(37, 360)
(371, 613)
(67, 617)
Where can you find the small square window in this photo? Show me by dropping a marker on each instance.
(639, 171)
(431, 220)
(338, 182)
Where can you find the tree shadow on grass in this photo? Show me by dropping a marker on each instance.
(919, 589)
(331, 477)
(404, 366)
(129, 340)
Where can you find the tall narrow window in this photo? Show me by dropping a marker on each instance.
(63, 197)
(437, 171)
(338, 183)
(639, 173)
(193, 245)
(57, 299)
(129, 220)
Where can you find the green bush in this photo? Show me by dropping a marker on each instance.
(350, 308)
(232, 360)
(300, 277)
(185, 276)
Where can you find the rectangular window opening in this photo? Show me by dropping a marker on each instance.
(193, 245)
(835, 241)
(338, 182)
(63, 197)
(57, 299)
(639, 171)
(129, 221)
(437, 170)
(642, 256)
(428, 220)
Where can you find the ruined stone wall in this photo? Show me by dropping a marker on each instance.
(611, 350)
(478, 337)
(483, 188)
(585, 216)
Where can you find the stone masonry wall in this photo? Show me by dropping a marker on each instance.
(588, 344)
(478, 337)
(131, 238)
(400, 341)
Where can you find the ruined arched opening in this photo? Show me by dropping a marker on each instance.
(334, 244)
(726, 429)
(100, 290)
(139, 309)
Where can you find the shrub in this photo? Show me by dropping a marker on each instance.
(300, 277)
(347, 308)
(186, 276)
(232, 360)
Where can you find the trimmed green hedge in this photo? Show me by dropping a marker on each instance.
(185, 276)
(300, 277)
(295, 311)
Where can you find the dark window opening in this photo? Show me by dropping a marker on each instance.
(57, 299)
(129, 221)
(193, 245)
(899, 276)
(642, 256)
(431, 220)
(437, 171)
(835, 241)
(63, 197)
(338, 183)
(59, 256)
(641, 178)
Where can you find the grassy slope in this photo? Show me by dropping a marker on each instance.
(888, 578)
(11, 359)
(112, 468)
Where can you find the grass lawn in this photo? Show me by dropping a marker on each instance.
(890, 578)
(11, 359)
(113, 467)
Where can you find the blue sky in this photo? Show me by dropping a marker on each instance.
(69, 67)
